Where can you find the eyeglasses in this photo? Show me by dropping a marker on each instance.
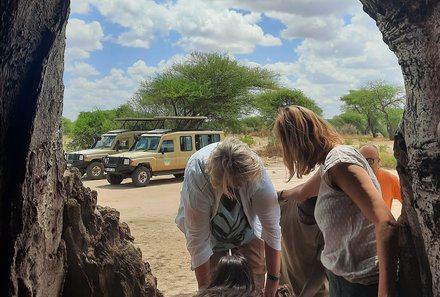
(371, 160)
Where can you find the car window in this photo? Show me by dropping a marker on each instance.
(167, 146)
(185, 143)
(205, 139)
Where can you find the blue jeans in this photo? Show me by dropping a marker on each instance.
(340, 287)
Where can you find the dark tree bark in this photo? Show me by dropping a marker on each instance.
(54, 239)
(412, 31)
(31, 161)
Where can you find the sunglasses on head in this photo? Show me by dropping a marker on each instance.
(371, 160)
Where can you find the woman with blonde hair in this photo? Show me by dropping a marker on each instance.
(360, 233)
(227, 205)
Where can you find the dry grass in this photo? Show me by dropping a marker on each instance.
(269, 150)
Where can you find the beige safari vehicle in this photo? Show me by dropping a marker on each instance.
(89, 161)
(158, 152)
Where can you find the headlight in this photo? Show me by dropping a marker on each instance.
(126, 161)
(81, 157)
(105, 160)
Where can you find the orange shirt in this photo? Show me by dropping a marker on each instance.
(390, 186)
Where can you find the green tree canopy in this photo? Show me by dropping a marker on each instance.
(268, 103)
(67, 126)
(375, 101)
(207, 84)
(90, 124)
(350, 123)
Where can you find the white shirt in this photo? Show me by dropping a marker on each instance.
(199, 203)
(350, 240)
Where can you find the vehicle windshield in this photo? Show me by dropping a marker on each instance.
(105, 141)
(147, 143)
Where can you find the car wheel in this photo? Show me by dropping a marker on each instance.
(114, 179)
(178, 175)
(95, 170)
(141, 176)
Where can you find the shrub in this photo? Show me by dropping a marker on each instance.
(249, 140)
(387, 160)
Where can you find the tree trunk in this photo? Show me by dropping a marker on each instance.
(31, 159)
(412, 29)
(95, 255)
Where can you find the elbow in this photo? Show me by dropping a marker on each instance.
(387, 229)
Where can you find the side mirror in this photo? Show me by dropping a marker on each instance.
(163, 150)
(117, 145)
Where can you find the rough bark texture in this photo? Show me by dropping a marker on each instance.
(412, 31)
(31, 91)
(99, 258)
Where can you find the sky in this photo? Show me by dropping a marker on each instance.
(324, 48)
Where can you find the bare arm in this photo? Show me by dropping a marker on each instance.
(357, 184)
(203, 275)
(273, 264)
(304, 191)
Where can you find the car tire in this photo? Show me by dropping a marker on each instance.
(141, 176)
(95, 170)
(178, 175)
(114, 179)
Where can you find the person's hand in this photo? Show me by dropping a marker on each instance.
(280, 196)
(270, 290)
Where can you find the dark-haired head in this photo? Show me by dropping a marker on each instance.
(233, 272)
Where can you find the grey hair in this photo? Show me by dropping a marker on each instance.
(232, 161)
(370, 145)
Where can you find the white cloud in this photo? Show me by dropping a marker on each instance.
(140, 70)
(79, 6)
(81, 69)
(307, 8)
(141, 19)
(83, 38)
(203, 26)
(327, 70)
(319, 28)
(84, 94)
(206, 26)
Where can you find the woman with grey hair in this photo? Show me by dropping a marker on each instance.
(227, 205)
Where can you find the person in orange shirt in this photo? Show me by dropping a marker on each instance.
(389, 183)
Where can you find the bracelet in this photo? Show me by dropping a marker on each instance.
(280, 195)
(272, 277)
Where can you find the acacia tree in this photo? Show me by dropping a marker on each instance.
(376, 102)
(388, 99)
(361, 102)
(207, 84)
(411, 29)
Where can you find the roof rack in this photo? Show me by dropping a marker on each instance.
(163, 122)
(139, 123)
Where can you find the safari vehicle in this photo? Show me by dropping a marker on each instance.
(89, 161)
(158, 152)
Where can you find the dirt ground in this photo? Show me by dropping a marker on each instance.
(150, 213)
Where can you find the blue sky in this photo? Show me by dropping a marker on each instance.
(325, 48)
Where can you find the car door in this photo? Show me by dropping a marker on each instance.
(167, 158)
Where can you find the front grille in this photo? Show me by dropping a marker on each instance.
(72, 157)
(113, 161)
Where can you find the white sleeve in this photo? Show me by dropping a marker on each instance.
(265, 203)
(196, 199)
